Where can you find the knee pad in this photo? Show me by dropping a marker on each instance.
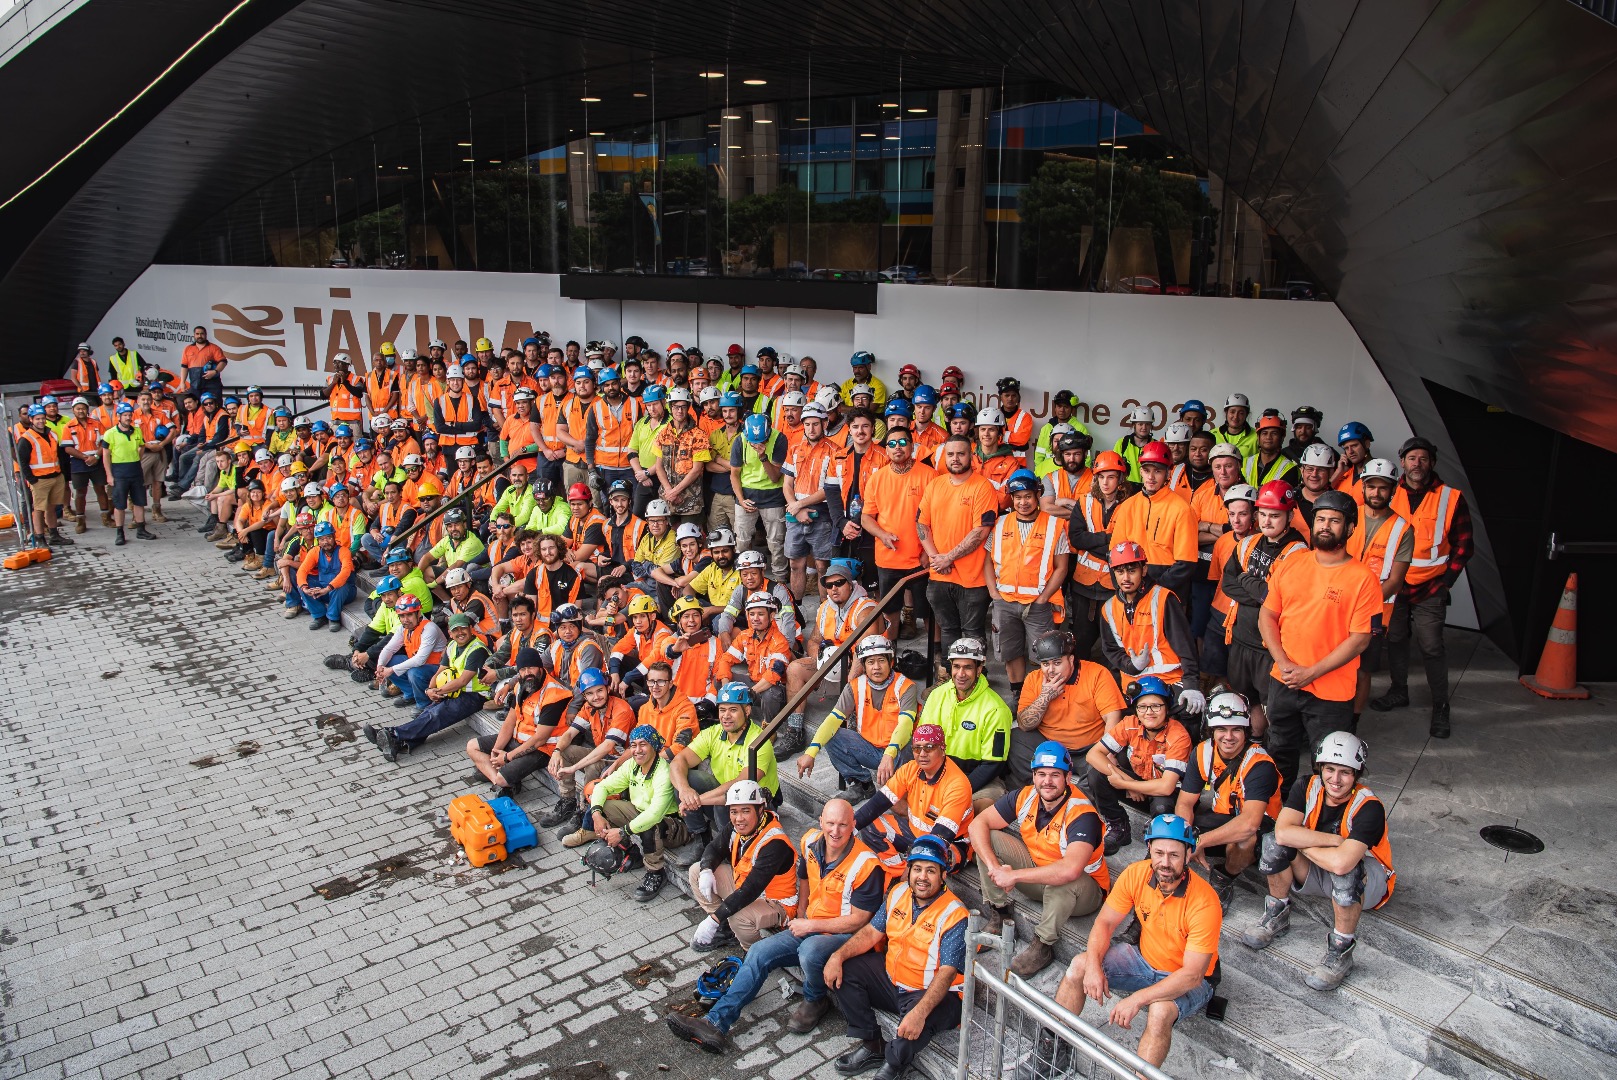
(1348, 889)
(1276, 858)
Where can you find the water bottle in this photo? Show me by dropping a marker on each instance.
(855, 506)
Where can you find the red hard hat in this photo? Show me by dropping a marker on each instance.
(952, 373)
(1126, 553)
(578, 491)
(735, 350)
(1155, 453)
(909, 369)
(1277, 495)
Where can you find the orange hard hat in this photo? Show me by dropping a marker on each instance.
(1271, 422)
(1110, 461)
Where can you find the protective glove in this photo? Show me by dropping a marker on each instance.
(707, 885)
(706, 931)
(1141, 660)
(1192, 702)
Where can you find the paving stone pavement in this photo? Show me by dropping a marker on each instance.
(181, 774)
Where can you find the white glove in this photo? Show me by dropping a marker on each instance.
(1192, 701)
(706, 931)
(707, 885)
(1141, 659)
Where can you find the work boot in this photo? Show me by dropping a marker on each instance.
(806, 1015)
(158, 516)
(1396, 697)
(789, 737)
(1117, 834)
(254, 561)
(387, 744)
(1223, 884)
(698, 1030)
(725, 938)
(650, 886)
(122, 539)
(58, 540)
(1051, 1057)
(906, 622)
(219, 533)
(868, 1055)
(369, 731)
(68, 514)
(337, 661)
(226, 543)
(1275, 922)
(580, 837)
(274, 586)
(1334, 965)
(265, 572)
(1035, 956)
(81, 527)
(106, 518)
(994, 918)
(141, 533)
(208, 525)
(1440, 721)
(362, 675)
(564, 809)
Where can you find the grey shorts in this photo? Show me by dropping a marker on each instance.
(1365, 884)
(811, 539)
(1021, 624)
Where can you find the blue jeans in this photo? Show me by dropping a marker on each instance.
(1126, 971)
(373, 547)
(438, 716)
(855, 757)
(774, 952)
(414, 682)
(330, 605)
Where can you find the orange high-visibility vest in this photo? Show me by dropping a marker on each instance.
(1432, 523)
(1229, 787)
(915, 939)
(379, 387)
(1088, 568)
(43, 453)
(1145, 635)
(613, 433)
(1315, 805)
(830, 892)
(1378, 555)
(346, 407)
(878, 724)
(782, 888)
(1049, 845)
(1022, 568)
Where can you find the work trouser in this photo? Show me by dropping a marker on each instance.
(961, 612)
(1108, 800)
(856, 757)
(1083, 622)
(807, 954)
(329, 606)
(437, 716)
(704, 821)
(1426, 620)
(866, 987)
(774, 523)
(414, 682)
(654, 842)
(567, 786)
(750, 922)
(1058, 903)
(1298, 720)
(721, 512)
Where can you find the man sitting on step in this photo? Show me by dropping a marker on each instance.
(1231, 793)
(1044, 839)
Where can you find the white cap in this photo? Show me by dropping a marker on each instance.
(457, 575)
(343, 358)
(453, 371)
(437, 343)
(408, 354)
(1341, 748)
(261, 454)
(289, 485)
(679, 393)
(860, 388)
(761, 599)
(379, 423)
(1141, 415)
(524, 394)
(1241, 492)
(284, 461)
(1228, 709)
(709, 393)
(659, 508)
(826, 398)
(750, 559)
(1237, 401)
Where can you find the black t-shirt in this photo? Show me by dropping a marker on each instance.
(1369, 824)
(1262, 780)
(1084, 829)
(560, 582)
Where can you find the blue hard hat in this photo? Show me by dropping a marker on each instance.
(930, 849)
(206, 396)
(48, 399)
(863, 356)
(749, 369)
(321, 427)
(1194, 406)
(730, 399)
(735, 693)
(925, 395)
(396, 555)
(962, 409)
(608, 375)
(849, 567)
(545, 371)
(280, 411)
(325, 528)
(363, 444)
(232, 401)
(124, 409)
(768, 350)
(619, 487)
(529, 341)
(343, 431)
(336, 486)
(899, 407)
(39, 410)
(1353, 430)
(590, 678)
(756, 428)
(255, 390)
(1150, 686)
(429, 435)
(106, 388)
(388, 584)
(654, 393)
(1171, 827)
(1051, 755)
(584, 373)
(160, 431)
(1022, 480)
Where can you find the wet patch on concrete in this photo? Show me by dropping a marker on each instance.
(111, 674)
(532, 947)
(247, 748)
(338, 728)
(337, 888)
(206, 762)
(646, 974)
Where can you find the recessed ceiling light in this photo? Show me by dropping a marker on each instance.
(1120, 146)
(577, 153)
(713, 125)
(756, 82)
(463, 144)
(638, 93)
(760, 120)
(712, 74)
(889, 104)
(732, 147)
(589, 99)
(404, 168)
(597, 134)
(730, 116)
(495, 161)
(891, 138)
(804, 120)
(915, 110)
(1106, 142)
(867, 134)
(472, 160)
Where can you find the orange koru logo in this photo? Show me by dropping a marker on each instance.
(246, 334)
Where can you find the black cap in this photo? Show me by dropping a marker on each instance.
(528, 656)
(1418, 443)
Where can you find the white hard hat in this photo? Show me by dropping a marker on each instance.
(968, 648)
(813, 410)
(457, 575)
(792, 368)
(744, 793)
(609, 345)
(1382, 468)
(261, 454)
(466, 453)
(688, 531)
(763, 600)
(400, 424)
(1341, 748)
(1178, 432)
(750, 560)
(437, 343)
(408, 354)
(342, 358)
(453, 371)
(289, 485)
(1141, 415)
(1237, 401)
(312, 489)
(721, 537)
(861, 388)
(794, 399)
(874, 645)
(379, 423)
(411, 459)
(1318, 454)
(1228, 709)
(709, 393)
(1239, 492)
(284, 461)
(1224, 449)
(658, 508)
(990, 417)
(524, 394)
(826, 398)
(679, 393)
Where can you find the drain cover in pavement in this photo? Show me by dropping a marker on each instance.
(1513, 839)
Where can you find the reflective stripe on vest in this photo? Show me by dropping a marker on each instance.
(457, 665)
(44, 461)
(1076, 806)
(1314, 805)
(1431, 531)
(831, 896)
(782, 888)
(1159, 665)
(1095, 567)
(912, 960)
(612, 433)
(1016, 571)
(884, 721)
(1229, 794)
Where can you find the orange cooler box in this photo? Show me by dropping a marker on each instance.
(475, 827)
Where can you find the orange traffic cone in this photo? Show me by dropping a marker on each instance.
(1557, 675)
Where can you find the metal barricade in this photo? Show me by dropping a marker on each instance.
(1027, 1036)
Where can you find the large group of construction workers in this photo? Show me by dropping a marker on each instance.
(654, 566)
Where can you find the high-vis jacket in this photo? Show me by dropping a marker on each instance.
(915, 938)
(1023, 568)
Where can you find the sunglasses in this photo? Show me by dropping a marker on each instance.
(898, 442)
(502, 528)
(836, 583)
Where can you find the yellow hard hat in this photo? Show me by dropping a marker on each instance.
(681, 606)
(388, 349)
(642, 605)
(428, 486)
(299, 468)
(484, 345)
(244, 447)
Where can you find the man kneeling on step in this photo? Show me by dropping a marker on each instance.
(1045, 839)
(649, 810)
(1339, 828)
(750, 881)
(839, 887)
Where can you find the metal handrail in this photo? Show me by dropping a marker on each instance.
(422, 522)
(1558, 547)
(823, 670)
